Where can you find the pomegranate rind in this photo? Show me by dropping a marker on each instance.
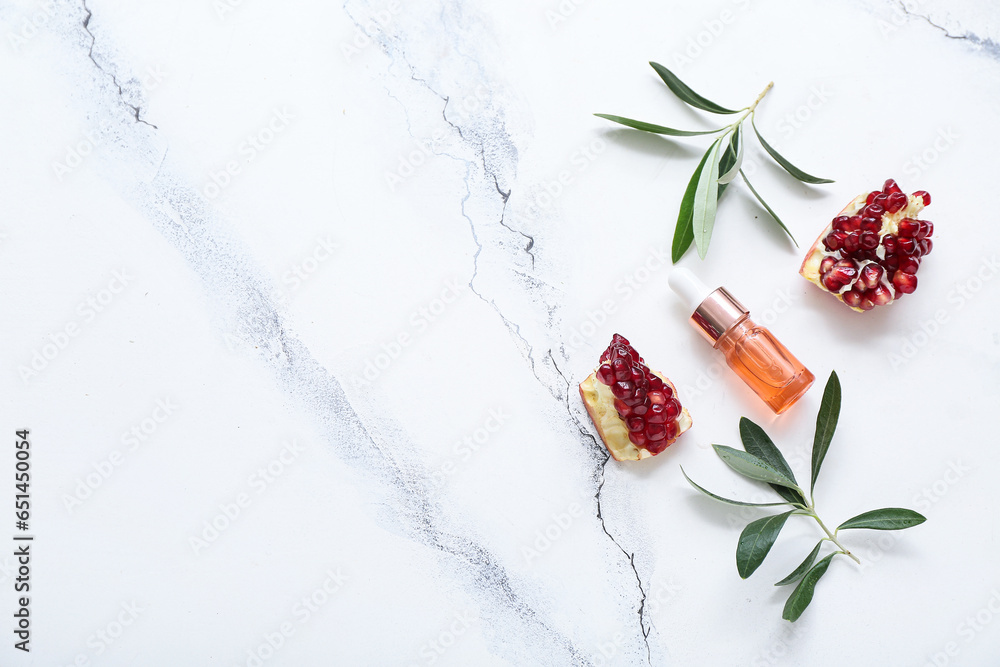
(890, 225)
(600, 404)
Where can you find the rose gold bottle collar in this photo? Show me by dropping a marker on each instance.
(717, 314)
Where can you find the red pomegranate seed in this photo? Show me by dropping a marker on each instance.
(853, 223)
(889, 243)
(655, 383)
(880, 295)
(923, 194)
(871, 225)
(871, 197)
(890, 186)
(657, 414)
(672, 428)
(909, 264)
(839, 223)
(852, 242)
(638, 439)
(891, 263)
(929, 226)
(866, 303)
(872, 211)
(904, 282)
(672, 408)
(605, 374)
(656, 432)
(852, 298)
(834, 240)
(895, 202)
(927, 245)
(657, 397)
(907, 246)
(621, 369)
(624, 411)
(880, 199)
(623, 389)
(870, 275)
(908, 228)
(825, 265)
(869, 240)
(635, 424)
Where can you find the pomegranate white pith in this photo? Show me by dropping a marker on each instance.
(635, 410)
(869, 255)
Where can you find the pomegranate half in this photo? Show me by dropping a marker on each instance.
(869, 255)
(635, 410)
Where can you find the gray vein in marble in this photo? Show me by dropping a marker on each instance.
(991, 47)
(531, 239)
(90, 54)
(585, 434)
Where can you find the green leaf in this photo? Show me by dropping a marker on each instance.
(725, 500)
(803, 593)
(655, 129)
(801, 570)
(785, 164)
(706, 198)
(826, 424)
(757, 442)
(889, 518)
(731, 160)
(767, 208)
(756, 540)
(681, 90)
(684, 231)
(750, 466)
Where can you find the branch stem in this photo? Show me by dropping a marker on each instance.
(760, 97)
(832, 537)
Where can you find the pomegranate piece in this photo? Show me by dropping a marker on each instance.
(635, 410)
(868, 256)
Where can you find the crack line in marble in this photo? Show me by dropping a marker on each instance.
(114, 79)
(985, 43)
(597, 498)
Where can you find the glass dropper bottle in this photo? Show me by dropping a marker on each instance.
(754, 354)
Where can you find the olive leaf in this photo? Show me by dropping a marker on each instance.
(750, 466)
(681, 90)
(706, 197)
(655, 129)
(770, 212)
(826, 424)
(803, 593)
(684, 232)
(801, 570)
(785, 164)
(756, 541)
(725, 500)
(756, 442)
(889, 518)
(729, 168)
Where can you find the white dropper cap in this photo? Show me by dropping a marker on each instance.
(688, 287)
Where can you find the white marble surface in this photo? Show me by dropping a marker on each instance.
(386, 158)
